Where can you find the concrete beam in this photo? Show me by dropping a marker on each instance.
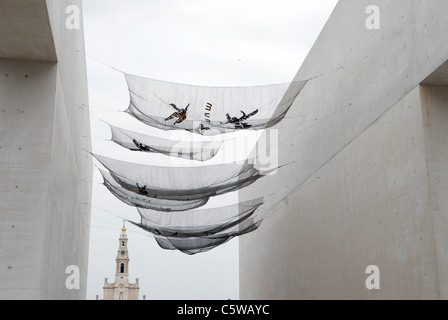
(25, 31)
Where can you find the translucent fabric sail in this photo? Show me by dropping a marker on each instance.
(192, 150)
(209, 110)
(146, 202)
(180, 183)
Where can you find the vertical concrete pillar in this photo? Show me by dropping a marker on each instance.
(435, 121)
(45, 173)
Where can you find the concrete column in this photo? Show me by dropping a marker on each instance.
(45, 174)
(435, 121)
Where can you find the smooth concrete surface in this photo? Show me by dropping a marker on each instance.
(363, 187)
(45, 174)
(435, 123)
(25, 31)
(26, 135)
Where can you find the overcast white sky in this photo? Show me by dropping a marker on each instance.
(212, 43)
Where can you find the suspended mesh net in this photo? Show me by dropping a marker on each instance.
(195, 245)
(169, 200)
(139, 200)
(180, 183)
(192, 150)
(198, 223)
(200, 230)
(191, 246)
(209, 110)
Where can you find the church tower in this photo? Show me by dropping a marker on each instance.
(121, 289)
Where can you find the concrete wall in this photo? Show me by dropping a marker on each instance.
(369, 165)
(44, 173)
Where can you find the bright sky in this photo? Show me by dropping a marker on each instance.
(211, 43)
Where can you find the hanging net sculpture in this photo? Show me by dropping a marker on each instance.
(171, 200)
(209, 110)
(180, 183)
(207, 227)
(191, 150)
(139, 200)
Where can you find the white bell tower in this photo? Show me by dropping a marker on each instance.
(121, 289)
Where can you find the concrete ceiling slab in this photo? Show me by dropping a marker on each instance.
(25, 31)
(439, 77)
